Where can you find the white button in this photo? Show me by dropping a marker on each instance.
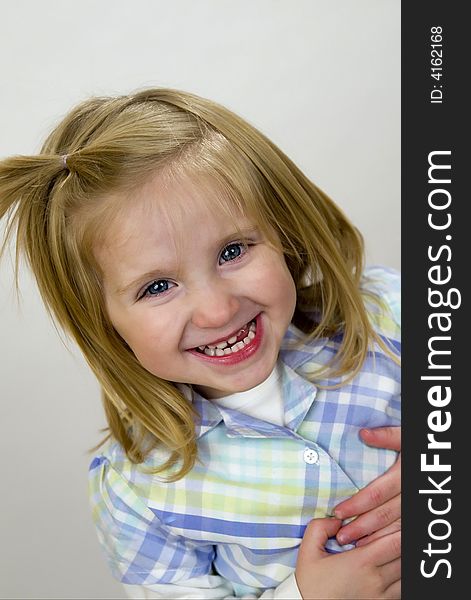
(311, 457)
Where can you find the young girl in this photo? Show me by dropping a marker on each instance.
(219, 297)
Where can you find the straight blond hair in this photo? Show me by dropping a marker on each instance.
(55, 204)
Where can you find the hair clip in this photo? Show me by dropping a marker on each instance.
(64, 158)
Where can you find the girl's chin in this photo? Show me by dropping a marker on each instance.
(236, 384)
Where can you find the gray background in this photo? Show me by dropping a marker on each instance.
(322, 79)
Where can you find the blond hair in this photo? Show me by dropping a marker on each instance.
(53, 201)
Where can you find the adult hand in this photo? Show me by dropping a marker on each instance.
(378, 505)
(373, 571)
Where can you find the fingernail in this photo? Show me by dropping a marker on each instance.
(342, 539)
(338, 514)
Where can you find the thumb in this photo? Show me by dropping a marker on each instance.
(383, 437)
(316, 535)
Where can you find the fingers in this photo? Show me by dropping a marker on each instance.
(373, 495)
(384, 550)
(396, 526)
(374, 520)
(391, 572)
(384, 487)
(316, 535)
(382, 437)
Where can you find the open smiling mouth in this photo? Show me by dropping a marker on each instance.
(239, 346)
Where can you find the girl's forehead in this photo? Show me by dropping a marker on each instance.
(175, 208)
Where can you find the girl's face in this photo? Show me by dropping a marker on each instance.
(195, 303)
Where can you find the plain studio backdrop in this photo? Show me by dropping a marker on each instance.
(321, 79)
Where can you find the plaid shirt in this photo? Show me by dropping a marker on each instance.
(241, 512)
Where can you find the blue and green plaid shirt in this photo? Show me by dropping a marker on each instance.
(241, 512)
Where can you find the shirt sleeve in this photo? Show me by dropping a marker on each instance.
(385, 284)
(150, 560)
(139, 548)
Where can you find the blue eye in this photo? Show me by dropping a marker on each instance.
(232, 251)
(156, 288)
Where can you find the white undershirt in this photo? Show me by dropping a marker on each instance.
(264, 401)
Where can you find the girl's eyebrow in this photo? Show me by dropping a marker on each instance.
(158, 273)
(141, 280)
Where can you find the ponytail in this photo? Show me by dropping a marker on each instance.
(26, 185)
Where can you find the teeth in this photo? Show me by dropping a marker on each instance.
(231, 345)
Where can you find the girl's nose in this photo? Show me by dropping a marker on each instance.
(214, 308)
